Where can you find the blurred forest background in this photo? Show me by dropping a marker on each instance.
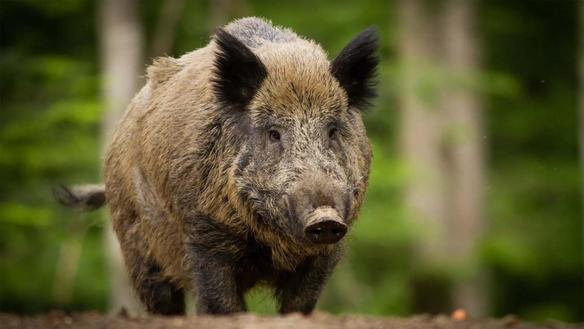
(475, 198)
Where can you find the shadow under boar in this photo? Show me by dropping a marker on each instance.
(242, 162)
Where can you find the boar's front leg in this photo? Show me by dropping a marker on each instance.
(215, 284)
(298, 291)
(213, 254)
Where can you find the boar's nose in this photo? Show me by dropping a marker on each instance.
(324, 227)
(326, 231)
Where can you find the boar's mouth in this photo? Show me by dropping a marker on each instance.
(311, 227)
(275, 216)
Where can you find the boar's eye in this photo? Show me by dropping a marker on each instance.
(332, 133)
(274, 135)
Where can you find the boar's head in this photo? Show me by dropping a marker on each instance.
(303, 157)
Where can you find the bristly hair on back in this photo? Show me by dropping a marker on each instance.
(356, 68)
(238, 71)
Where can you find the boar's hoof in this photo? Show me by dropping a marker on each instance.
(325, 231)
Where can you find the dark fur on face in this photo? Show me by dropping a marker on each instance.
(228, 163)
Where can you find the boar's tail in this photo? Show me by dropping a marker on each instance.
(81, 197)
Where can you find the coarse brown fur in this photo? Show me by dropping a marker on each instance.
(205, 196)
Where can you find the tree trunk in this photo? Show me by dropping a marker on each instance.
(122, 58)
(165, 33)
(219, 13)
(68, 261)
(421, 137)
(466, 153)
(421, 130)
(222, 10)
(442, 143)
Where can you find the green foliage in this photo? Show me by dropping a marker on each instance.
(50, 118)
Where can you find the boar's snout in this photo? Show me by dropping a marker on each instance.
(320, 209)
(324, 226)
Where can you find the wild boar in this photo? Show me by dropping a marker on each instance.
(242, 162)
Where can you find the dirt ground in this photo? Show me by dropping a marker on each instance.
(57, 320)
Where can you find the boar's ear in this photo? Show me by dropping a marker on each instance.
(238, 71)
(355, 68)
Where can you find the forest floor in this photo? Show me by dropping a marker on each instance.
(92, 320)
